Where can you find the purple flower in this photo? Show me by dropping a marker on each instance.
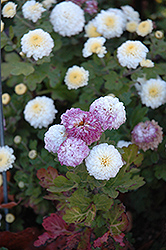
(72, 152)
(82, 124)
(109, 111)
(91, 7)
(147, 135)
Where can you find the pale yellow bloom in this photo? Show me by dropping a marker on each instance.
(21, 184)
(91, 30)
(131, 26)
(2, 25)
(20, 89)
(9, 10)
(10, 218)
(6, 98)
(159, 34)
(2, 1)
(144, 28)
(32, 154)
(17, 139)
(147, 63)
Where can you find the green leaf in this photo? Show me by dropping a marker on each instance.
(137, 115)
(131, 155)
(74, 215)
(90, 215)
(102, 202)
(61, 184)
(110, 191)
(113, 81)
(118, 220)
(79, 199)
(11, 32)
(22, 68)
(74, 177)
(160, 172)
(4, 39)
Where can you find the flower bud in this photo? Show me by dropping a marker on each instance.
(159, 34)
(21, 184)
(17, 139)
(6, 98)
(9, 218)
(32, 154)
(20, 89)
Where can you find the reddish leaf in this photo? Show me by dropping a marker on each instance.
(73, 240)
(22, 240)
(101, 240)
(119, 239)
(55, 226)
(46, 177)
(85, 240)
(9, 204)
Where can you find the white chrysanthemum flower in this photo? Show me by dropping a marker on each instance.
(91, 30)
(94, 45)
(131, 53)
(40, 112)
(67, 19)
(131, 14)
(152, 92)
(131, 26)
(120, 13)
(48, 3)
(109, 24)
(37, 43)
(123, 143)
(103, 161)
(144, 28)
(6, 158)
(147, 63)
(9, 10)
(54, 137)
(76, 77)
(32, 10)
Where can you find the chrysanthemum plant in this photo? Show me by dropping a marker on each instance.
(104, 68)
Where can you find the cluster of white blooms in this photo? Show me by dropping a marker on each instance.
(37, 43)
(67, 19)
(6, 158)
(131, 53)
(104, 161)
(76, 77)
(40, 111)
(94, 45)
(9, 10)
(32, 10)
(152, 91)
(109, 24)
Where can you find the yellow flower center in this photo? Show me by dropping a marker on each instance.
(3, 159)
(96, 47)
(110, 22)
(131, 49)
(153, 92)
(75, 77)
(36, 108)
(36, 40)
(105, 161)
(34, 7)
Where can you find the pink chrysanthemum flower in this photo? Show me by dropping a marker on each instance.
(82, 124)
(147, 135)
(72, 152)
(109, 111)
(91, 6)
